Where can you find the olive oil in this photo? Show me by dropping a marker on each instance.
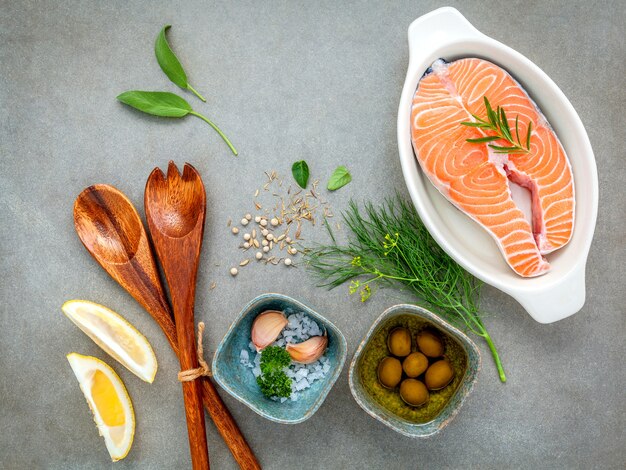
(377, 349)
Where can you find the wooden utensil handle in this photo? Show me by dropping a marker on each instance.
(182, 290)
(192, 394)
(227, 427)
(215, 406)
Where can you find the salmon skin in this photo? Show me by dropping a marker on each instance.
(476, 179)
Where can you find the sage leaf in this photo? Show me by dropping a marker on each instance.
(165, 104)
(340, 177)
(157, 103)
(170, 64)
(300, 172)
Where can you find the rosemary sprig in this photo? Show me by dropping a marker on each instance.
(498, 123)
(390, 245)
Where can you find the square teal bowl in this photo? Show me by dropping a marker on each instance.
(241, 383)
(403, 426)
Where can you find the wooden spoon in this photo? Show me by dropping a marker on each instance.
(110, 228)
(175, 211)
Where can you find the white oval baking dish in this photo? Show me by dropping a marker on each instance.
(445, 33)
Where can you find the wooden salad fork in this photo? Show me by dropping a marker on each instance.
(111, 230)
(175, 210)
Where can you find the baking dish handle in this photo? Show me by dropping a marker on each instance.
(556, 301)
(428, 31)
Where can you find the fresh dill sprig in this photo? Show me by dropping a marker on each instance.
(498, 123)
(391, 245)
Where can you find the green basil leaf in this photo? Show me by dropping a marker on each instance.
(340, 177)
(158, 103)
(170, 64)
(300, 172)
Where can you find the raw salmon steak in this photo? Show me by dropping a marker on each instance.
(475, 178)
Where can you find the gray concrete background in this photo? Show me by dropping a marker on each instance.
(286, 81)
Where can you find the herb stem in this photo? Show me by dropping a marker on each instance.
(380, 275)
(190, 88)
(217, 129)
(494, 352)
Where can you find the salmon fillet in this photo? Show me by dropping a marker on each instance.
(475, 178)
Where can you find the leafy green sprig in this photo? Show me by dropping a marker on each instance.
(390, 245)
(273, 381)
(170, 64)
(166, 104)
(498, 123)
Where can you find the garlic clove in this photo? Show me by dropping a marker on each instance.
(266, 328)
(308, 351)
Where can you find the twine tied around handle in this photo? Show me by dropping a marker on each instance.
(202, 371)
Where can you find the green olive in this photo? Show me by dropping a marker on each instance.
(389, 372)
(430, 343)
(413, 392)
(439, 375)
(415, 364)
(399, 342)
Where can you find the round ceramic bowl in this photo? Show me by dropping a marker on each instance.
(449, 411)
(241, 383)
(445, 33)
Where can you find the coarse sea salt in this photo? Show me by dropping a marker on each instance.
(300, 327)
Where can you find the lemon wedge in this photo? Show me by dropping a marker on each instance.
(115, 335)
(109, 402)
